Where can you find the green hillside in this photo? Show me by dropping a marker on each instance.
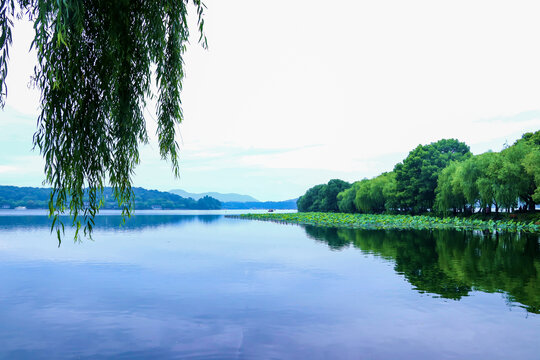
(37, 198)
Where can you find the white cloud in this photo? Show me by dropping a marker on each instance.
(9, 169)
(344, 88)
(22, 96)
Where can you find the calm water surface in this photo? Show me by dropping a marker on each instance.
(205, 286)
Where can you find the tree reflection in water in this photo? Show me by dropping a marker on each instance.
(451, 263)
(109, 222)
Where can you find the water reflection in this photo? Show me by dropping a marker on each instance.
(109, 222)
(451, 263)
(213, 287)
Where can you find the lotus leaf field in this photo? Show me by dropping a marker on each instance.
(370, 221)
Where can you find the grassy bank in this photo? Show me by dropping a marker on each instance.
(368, 221)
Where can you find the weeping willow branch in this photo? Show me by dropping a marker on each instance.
(94, 72)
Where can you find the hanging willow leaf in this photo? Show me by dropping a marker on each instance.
(95, 60)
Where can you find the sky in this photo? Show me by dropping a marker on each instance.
(291, 94)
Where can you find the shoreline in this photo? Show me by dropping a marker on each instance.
(397, 222)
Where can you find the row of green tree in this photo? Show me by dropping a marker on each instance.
(38, 198)
(442, 177)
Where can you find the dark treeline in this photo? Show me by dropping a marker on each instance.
(38, 198)
(442, 177)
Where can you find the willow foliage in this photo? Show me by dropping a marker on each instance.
(97, 60)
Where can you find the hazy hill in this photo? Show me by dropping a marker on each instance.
(37, 198)
(232, 197)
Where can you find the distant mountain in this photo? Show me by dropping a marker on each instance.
(37, 198)
(278, 205)
(12, 197)
(232, 197)
(240, 202)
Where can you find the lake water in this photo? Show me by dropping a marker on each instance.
(168, 286)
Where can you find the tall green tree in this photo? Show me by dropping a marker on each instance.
(416, 176)
(346, 199)
(371, 196)
(512, 180)
(488, 163)
(322, 197)
(449, 193)
(95, 61)
(465, 181)
(526, 153)
(310, 200)
(532, 165)
(531, 162)
(329, 194)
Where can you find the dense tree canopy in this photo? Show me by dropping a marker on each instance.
(323, 197)
(345, 199)
(416, 176)
(526, 153)
(95, 61)
(502, 180)
(449, 191)
(369, 196)
(444, 177)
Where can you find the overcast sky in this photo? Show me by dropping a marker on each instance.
(291, 94)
